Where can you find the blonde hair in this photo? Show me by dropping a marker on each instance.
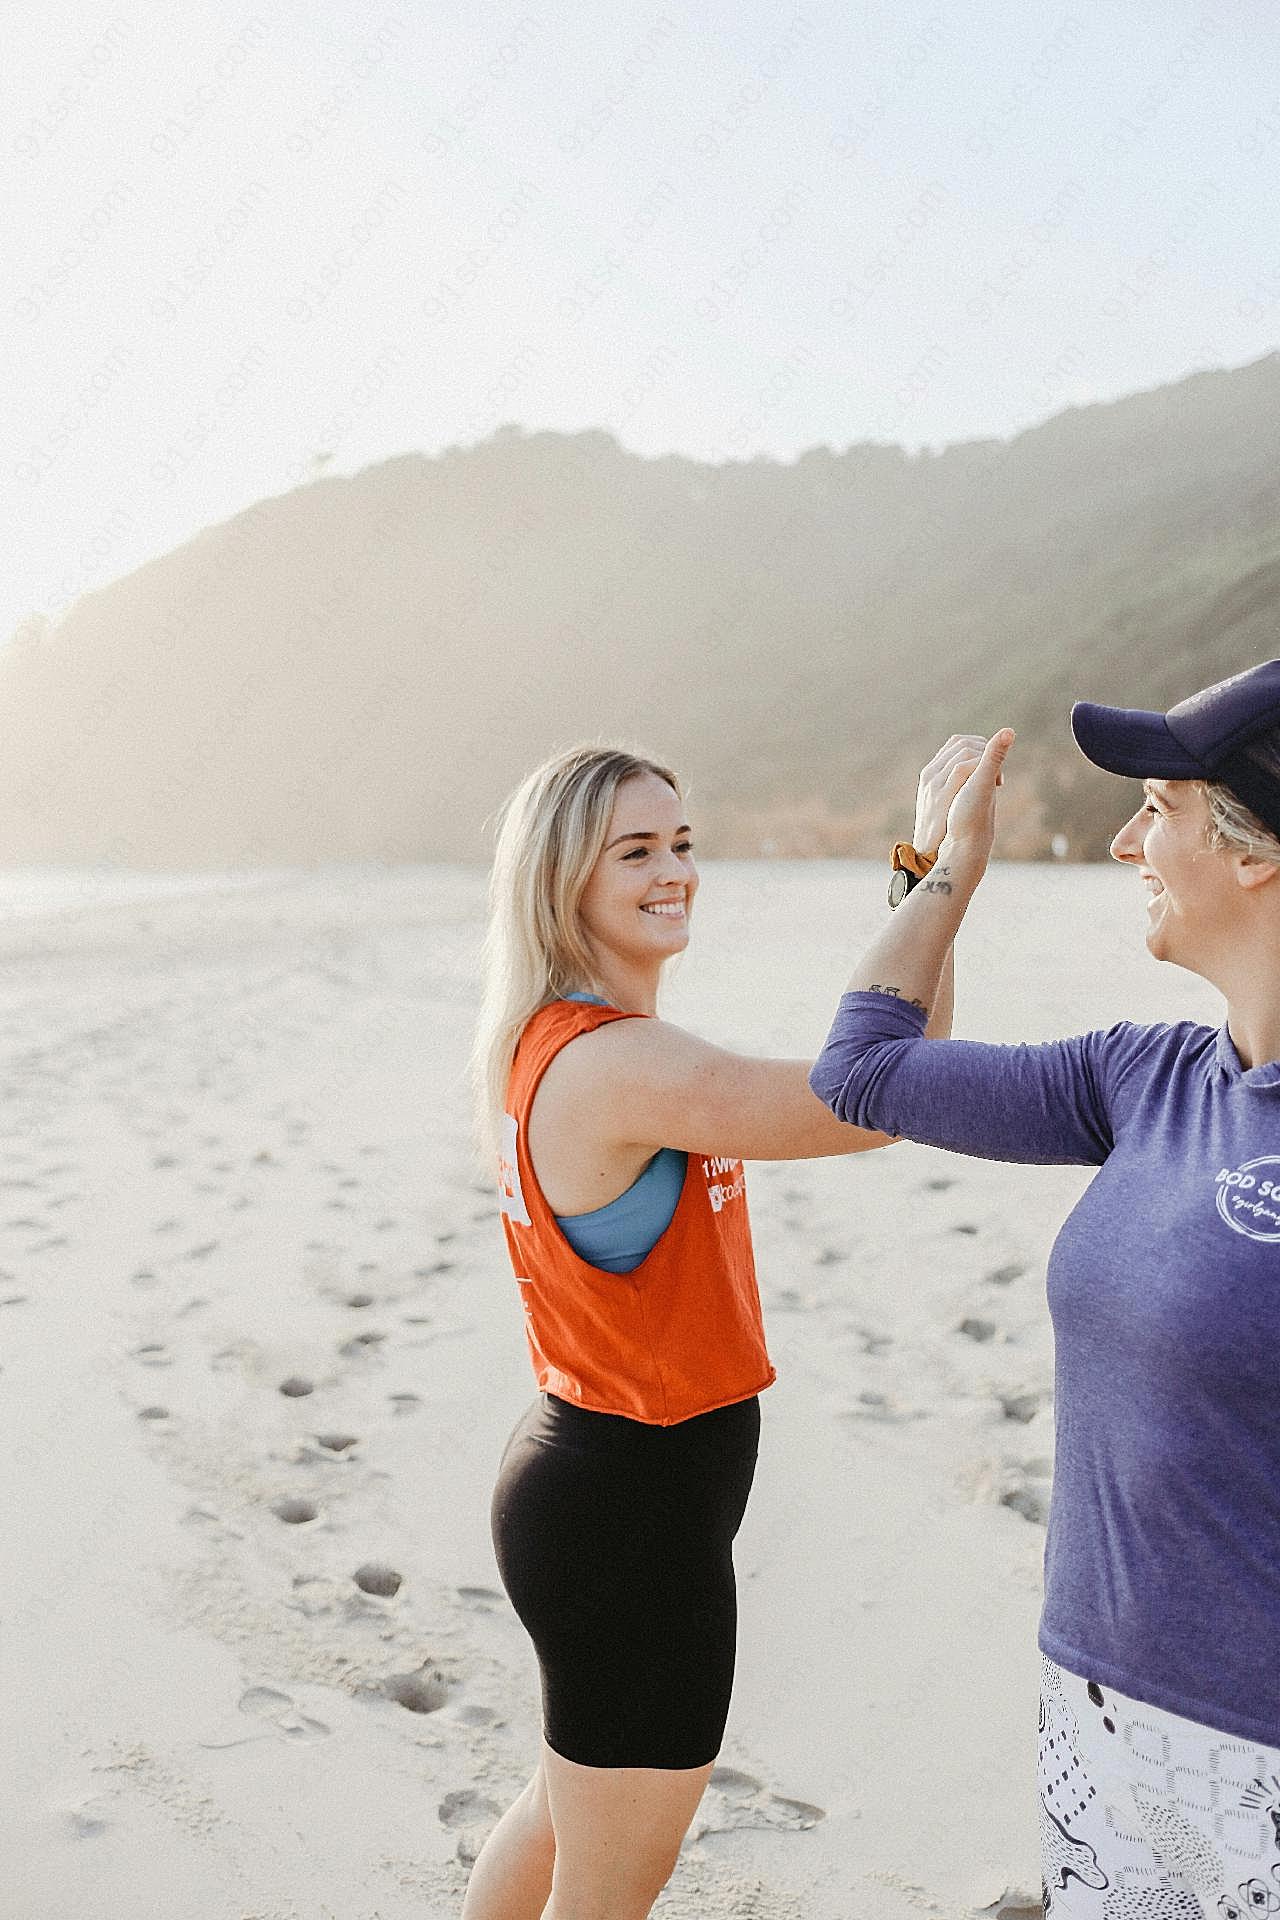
(1231, 823)
(551, 832)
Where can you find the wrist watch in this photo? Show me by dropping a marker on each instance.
(909, 868)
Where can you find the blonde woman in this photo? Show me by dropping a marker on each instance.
(619, 1141)
(1160, 1702)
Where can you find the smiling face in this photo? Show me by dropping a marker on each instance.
(635, 907)
(1194, 896)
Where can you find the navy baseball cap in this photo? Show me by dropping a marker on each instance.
(1205, 737)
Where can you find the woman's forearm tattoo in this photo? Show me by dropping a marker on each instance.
(937, 882)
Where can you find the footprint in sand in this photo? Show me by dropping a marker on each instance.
(869, 1341)
(376, 1577)
(294, 1387)
(975, 1328)
(1001, 1276)
(294, 1509)
(335, 1443)
(480, 1599)
(359, 1300)
(964, 1226)
(938, 1185)
(474, 1813)
(361, 1343)
(466, 1808)
(13, 1299)
(878, 1406)
(829, 1257)
(424, 1691)
(476, 1716)
(1015, 1904)
(1021, 1406)
(735, 1799)
(404, 1402)
(281, 1713)
(88, 1819)
(209, 1517)
(153, 1354)
(1027, 1490)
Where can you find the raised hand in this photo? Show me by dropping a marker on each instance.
(940, 782)
(971, 817)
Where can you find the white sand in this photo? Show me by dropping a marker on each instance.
(228, 1117)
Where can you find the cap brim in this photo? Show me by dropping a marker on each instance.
(1126, 740)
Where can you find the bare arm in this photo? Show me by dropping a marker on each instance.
(940, 781)
(944, 1000)
(647, 1083)
(913, 952)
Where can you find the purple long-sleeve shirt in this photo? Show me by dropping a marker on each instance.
(1162, 1563)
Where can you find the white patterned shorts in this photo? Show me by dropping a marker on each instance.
(1147, 1816)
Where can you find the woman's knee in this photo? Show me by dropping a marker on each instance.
(629, 1893)
(619, 1832)
(535, 1810)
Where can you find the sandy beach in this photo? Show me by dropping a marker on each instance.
(260, 1351)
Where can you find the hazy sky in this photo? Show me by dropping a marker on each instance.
(237, 236)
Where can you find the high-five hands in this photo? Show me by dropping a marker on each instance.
(939, 784)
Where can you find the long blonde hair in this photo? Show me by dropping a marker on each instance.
(551, 832)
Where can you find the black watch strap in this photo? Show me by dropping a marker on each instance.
(901, 881)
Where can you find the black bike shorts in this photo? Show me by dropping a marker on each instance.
(614, 1540)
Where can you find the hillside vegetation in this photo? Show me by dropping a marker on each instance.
(362, 668)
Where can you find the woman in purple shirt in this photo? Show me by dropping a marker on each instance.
(1160, 1633)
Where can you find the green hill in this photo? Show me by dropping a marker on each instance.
(364, 667)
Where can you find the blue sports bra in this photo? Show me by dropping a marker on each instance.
(620, 1235)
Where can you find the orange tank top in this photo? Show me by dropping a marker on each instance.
(678, 1335)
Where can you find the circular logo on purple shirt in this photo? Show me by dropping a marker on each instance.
(1249, 1197)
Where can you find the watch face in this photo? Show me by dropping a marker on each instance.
(899, 886)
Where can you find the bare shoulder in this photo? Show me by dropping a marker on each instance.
(623, 1054)
(647, 1083)
(601, 1070)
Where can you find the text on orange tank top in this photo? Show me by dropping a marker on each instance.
(678, 1335)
